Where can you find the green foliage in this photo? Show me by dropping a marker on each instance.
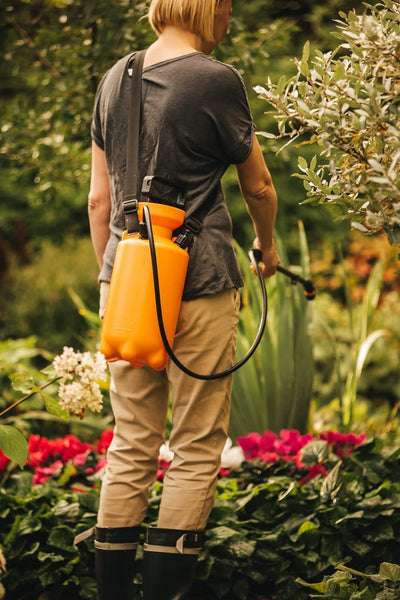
(266, 530)
(363, 339)
(347, 101)
(38, 301)
(349, 584)
(39, 526)
(13, 444)
(55, 55)
(273, 389)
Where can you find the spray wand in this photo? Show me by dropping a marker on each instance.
(309, 287)
(255, 258)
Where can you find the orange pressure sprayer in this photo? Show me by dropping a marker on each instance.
(130, 328)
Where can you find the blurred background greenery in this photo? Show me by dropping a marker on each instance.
(54, 54)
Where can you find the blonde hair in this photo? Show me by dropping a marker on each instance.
(195, 15)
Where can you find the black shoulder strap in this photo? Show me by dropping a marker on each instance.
(132, 153)
(193, 224)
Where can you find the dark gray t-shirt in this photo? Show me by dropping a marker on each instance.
(195, 123)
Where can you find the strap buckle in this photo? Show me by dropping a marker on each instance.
(191, 227)
(131, 206)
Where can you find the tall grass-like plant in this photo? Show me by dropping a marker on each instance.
(273, 389)
(362, 341)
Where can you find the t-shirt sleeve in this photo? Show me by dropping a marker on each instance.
(96, 130)
(233, 118)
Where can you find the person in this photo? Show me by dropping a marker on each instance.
(195, 122)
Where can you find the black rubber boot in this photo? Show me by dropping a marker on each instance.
(169, 562)
(115, 551)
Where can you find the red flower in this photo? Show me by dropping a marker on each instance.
(250, 445)
(270, 457)
(342, 444)
(224, 472)
(314, 471)
(42, 474)
(104, 441)
(162, 469)
(4, 461)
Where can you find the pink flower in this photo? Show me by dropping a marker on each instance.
(162, 469)
(101, 464)
(42, 474)
(342, 444)
(80, 459)
(250, 445)
(314, 471)
(270, 457)
(224, 472)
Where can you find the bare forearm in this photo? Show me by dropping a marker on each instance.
(260, 197)
(99, 203)
(263, 211)
(99, 229)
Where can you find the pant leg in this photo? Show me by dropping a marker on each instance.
(205, 342)
(139, 400)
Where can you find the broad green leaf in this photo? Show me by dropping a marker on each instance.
(13, 444)
(332, 485)
(390, 571)
(305, 527)
(22, 382)
(53, 406)
(62, 537)
(314, 452)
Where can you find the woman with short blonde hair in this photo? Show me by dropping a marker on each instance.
(196, 16)
(195, 122)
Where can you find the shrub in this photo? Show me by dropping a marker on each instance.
(275, 519)
(38, 302)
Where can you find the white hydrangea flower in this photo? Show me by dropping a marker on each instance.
(79, 373)
(165, 453)
(232, 456)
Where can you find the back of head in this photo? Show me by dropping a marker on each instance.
(197, 16)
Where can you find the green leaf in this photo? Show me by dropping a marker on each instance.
(305, 69)
(53, 406)
(62, 537)
(331, 486)
(314, 452)
(22, 382)
(390, 571)
(13, 444)
(302, 163)
(306, 526)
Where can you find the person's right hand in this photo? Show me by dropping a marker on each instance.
(270, 258)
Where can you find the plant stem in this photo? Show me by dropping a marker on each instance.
(42, 387)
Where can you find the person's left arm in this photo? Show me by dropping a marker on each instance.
(99, 203)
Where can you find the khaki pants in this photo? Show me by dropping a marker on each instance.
(205, 342)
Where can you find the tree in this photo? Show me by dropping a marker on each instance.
(347, 101)
(55, 52)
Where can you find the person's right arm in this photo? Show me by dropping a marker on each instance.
(261, 201)
(99, 203)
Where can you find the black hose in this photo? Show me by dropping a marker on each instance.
(250, 352)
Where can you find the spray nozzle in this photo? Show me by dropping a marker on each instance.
(309, 288)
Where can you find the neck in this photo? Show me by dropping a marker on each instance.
(175, 41)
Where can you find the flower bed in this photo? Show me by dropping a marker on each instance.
(287, 506)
